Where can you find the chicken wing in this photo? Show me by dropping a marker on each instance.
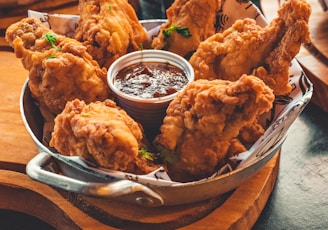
(109, 29)
(100, 132)
(189, 22)
(60, 69)
(203, 122)
(246, 48)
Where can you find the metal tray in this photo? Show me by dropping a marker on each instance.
(76, 175)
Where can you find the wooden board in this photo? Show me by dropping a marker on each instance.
(70, 211)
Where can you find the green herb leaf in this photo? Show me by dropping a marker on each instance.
(184, 31)
(51, 38)
(168, 157)
(110, 8)
(50, 57)
(165, 155)
(148, 155)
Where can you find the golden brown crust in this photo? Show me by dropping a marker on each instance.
(204, 120)
(99, 131)
(199, 17)
(109, 29)
(58, 72)
(247, 48)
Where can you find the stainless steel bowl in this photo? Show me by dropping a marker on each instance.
(75, 175)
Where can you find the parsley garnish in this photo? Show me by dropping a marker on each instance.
(110, 8)
(148, 155)
(168, 157)
(50, 57)
(184, 31)
(165, 155)
(51, 39)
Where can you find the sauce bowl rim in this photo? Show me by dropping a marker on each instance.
(167, 56)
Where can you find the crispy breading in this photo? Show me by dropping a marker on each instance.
(100, 132)
(247, 48)
(109, 29)
(60, 69)
(204, 121)
(196, 16)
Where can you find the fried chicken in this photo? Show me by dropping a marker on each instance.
(60, 69)
(189, 22)
(246, 48)
(100, 132)
(204, 120)
(109, 29)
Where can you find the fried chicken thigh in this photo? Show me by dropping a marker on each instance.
(100, 132)
(189, 22)
(204, 120)
(246, 48)
(109, 29)
(60, 69)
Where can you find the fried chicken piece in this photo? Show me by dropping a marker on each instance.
(204, 120)
(109, 29)
(251, 132)
(60, 69)
(189, 22)
(100, 132)
(141, 165)
(247, 48)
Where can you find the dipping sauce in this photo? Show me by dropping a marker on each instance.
(150, 79)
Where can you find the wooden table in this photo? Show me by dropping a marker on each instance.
(240, 210)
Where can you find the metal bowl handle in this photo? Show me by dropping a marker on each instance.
(142, 194)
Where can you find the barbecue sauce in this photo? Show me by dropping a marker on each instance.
(150, 79)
